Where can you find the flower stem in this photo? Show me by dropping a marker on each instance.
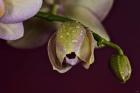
(52, 17)
(101, 41)
(115, 46)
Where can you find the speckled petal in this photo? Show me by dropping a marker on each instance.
(37, 33)
(56, 64)
(69, 38)
(84, 16)
(11, 31)
(20, 10)
(100, 7)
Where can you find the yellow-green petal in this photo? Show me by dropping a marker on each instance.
(56, 64)
(69, 38)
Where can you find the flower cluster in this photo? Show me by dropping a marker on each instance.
(69, 42)
(88, 13)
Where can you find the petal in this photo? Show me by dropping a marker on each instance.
(99, 7)
(69, 38)
(87, 50)
(56, 64)
(11, 31)
(2, 8)
(20, 10)
(85, 17)
(37, 33)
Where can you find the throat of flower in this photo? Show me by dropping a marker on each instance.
(71, 59)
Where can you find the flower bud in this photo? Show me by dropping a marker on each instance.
(71, 44)
(121, 66)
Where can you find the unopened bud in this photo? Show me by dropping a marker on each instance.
(121, 66)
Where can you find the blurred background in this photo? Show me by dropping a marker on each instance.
(29, 71)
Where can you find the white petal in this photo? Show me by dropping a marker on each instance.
(100, 7)
(84, 16)
(20, 10)
(11, 31)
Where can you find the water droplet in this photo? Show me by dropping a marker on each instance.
(61, 36)
(68, 34)
(73, 31)
(74, 41)
(77, 27)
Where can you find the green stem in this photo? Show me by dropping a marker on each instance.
(102, 41)
(52, 17)
(99, 39)
(115, 46)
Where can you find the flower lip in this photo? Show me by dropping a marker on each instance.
(71, 59)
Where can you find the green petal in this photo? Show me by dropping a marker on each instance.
(69, 38)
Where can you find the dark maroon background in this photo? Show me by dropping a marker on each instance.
(29, 71)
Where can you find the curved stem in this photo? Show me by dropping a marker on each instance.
(102, 41)
(115, 46)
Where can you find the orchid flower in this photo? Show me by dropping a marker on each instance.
(13, 13)
(88, 12)
(71, 44)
